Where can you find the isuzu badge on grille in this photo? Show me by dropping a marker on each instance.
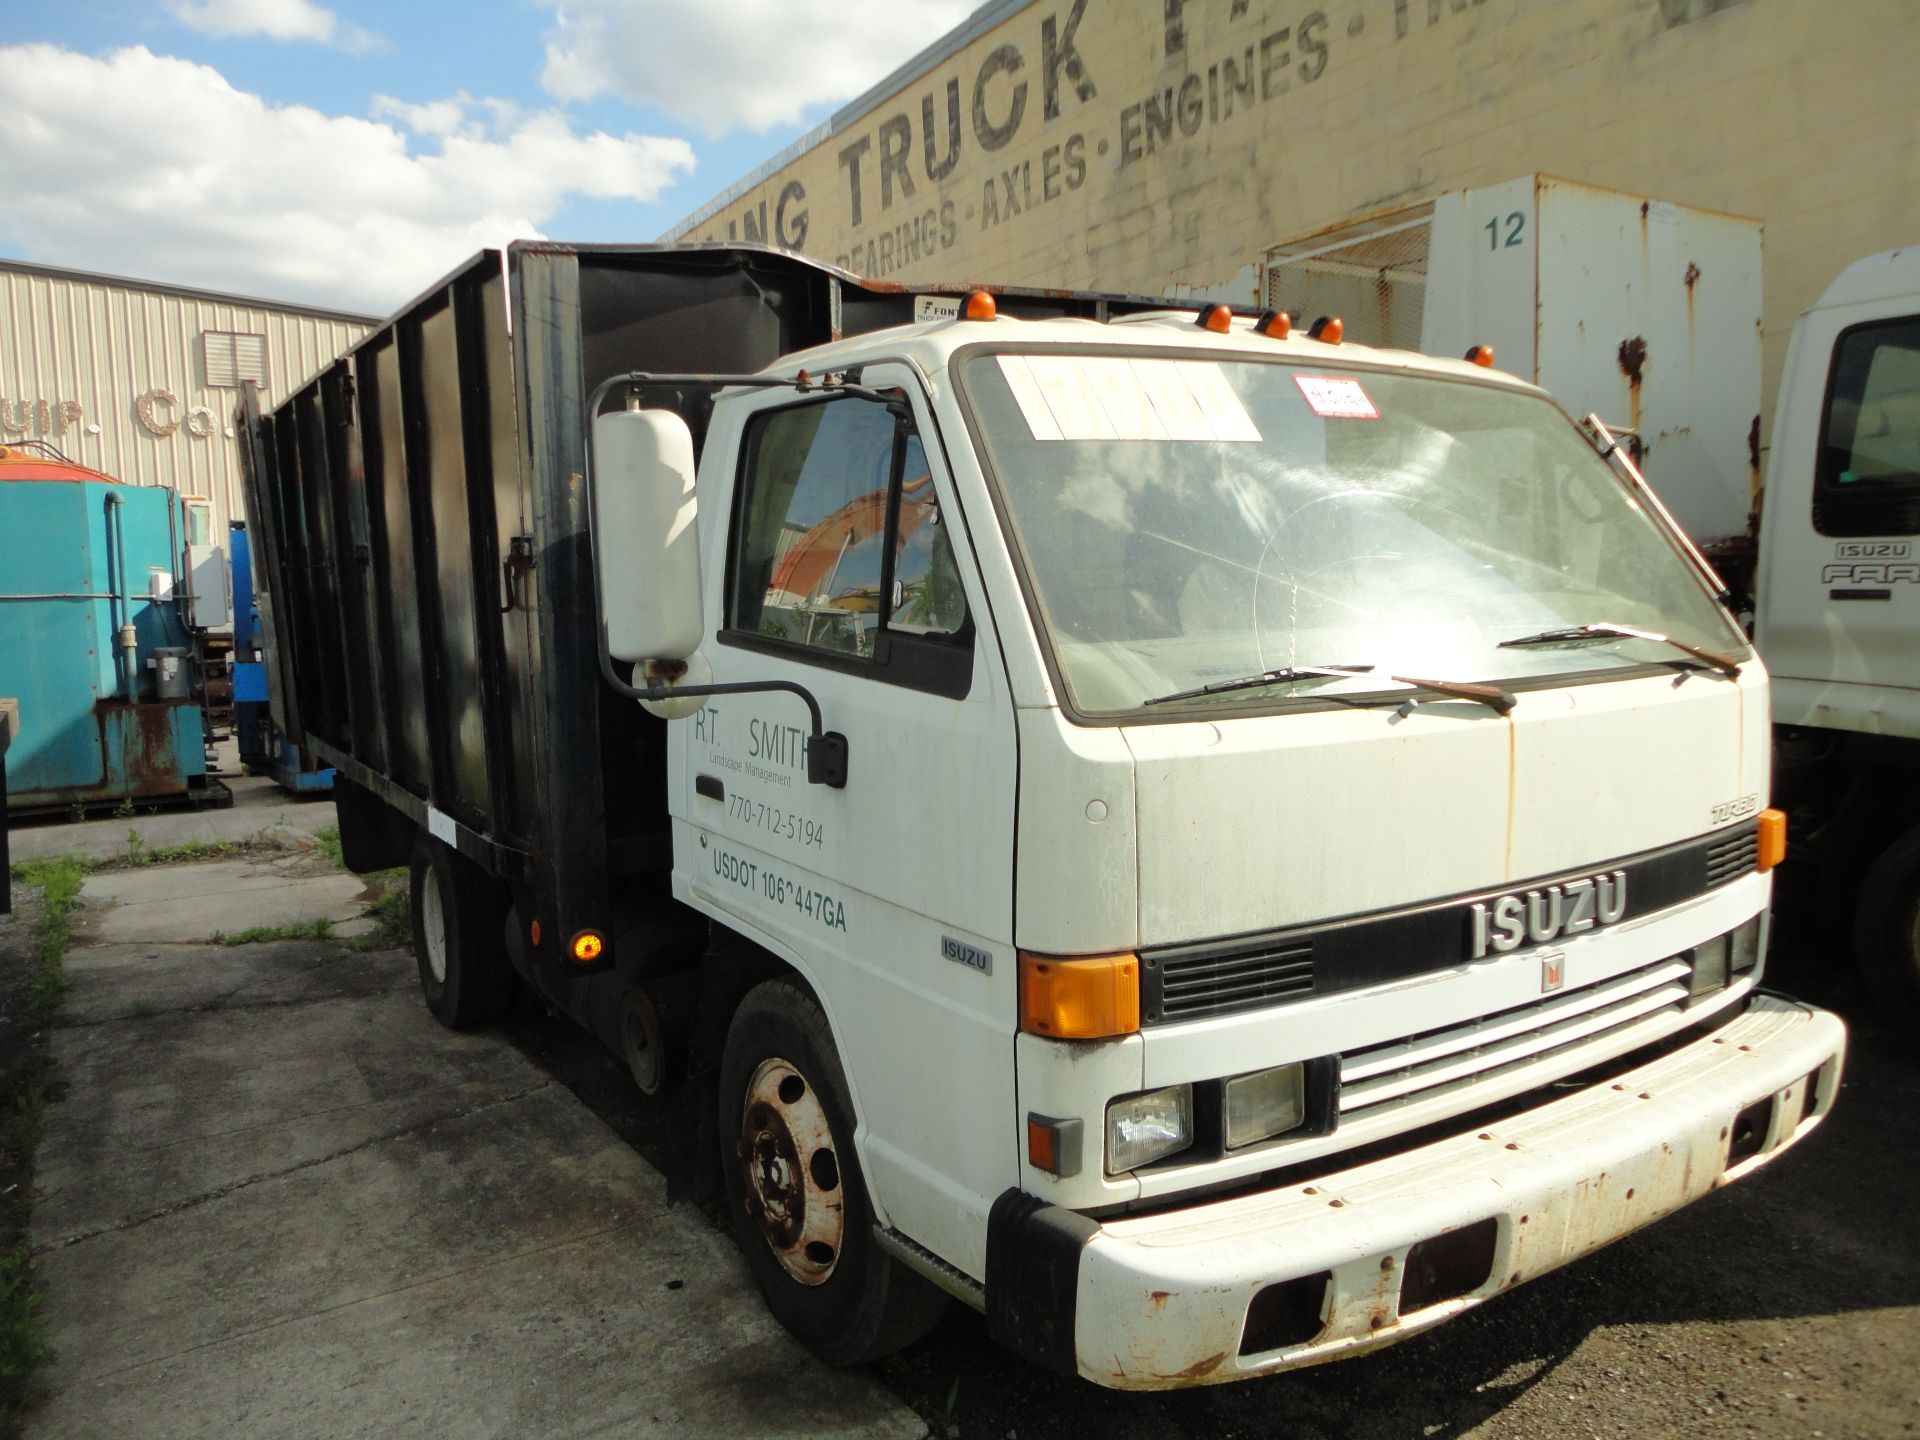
(1534, 917)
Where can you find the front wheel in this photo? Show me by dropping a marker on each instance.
(1886, 939)
(795, 1188)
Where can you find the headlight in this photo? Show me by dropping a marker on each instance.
(1265, 1104)
(1744, 946)
(1148, 1127)
(1709, 968)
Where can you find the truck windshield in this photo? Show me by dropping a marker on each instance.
(1187, 521)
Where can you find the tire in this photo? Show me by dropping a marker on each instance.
(804, 1220)
(459, 922)
(1886, 937)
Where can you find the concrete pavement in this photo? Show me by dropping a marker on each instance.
(279, 1199)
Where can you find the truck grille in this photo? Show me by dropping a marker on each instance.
(1221, 980)
(1460, 1055)
(1733, 855)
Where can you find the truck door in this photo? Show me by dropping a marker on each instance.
(846, 567)
(1844, 603)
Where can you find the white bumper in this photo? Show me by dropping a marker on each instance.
(1163, 1300)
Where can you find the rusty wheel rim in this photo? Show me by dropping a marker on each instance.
(792, 1172)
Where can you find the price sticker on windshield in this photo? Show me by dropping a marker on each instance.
(1336, 397)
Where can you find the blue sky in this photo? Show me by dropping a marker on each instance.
(347, 154)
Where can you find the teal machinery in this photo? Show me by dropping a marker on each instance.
(93, 641)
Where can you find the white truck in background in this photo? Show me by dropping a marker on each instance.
(1218, 847)
(1838, 614)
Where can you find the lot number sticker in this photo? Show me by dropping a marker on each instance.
(1335, 398)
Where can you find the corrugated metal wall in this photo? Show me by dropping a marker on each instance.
(113, 373)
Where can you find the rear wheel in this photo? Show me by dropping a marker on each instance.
(459, 922)
(1886, 938)
(796, 1191)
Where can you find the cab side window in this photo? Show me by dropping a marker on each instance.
(1867, 477)
(840, 550)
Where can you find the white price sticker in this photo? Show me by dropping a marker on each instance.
(1336, 398)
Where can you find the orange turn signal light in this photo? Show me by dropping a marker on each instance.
(979, 306)
(1274, 324)
(1773, 840)
(588, 946)
(1085, 997)
(1217, 318)
(1328, 329)
(533, 932)
(1481, 355)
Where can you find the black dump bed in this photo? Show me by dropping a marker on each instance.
(423, 566)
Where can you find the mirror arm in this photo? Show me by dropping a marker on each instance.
(826, 749)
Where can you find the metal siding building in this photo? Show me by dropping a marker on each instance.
(1169, 146)
(140, 380)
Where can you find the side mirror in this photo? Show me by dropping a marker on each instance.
(646, 540)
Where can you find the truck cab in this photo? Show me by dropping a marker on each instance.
(1839, 605)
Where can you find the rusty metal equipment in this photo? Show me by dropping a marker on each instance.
(84, 619)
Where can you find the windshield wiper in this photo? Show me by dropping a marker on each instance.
(1492, 696)
(1265, 677)
(1609, 630)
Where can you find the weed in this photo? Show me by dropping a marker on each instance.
(124, 810)
(327, 837)
(27, 1085)
(23, 1328)
(260, 934)
(142, 1009)
(136, 845)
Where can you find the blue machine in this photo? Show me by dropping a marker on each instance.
(263, 749)
(92, 641)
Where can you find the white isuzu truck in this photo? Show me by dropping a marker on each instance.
(1217, 847)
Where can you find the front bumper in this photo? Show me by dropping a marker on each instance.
(1360, 1258)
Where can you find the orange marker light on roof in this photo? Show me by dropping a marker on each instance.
(588, 946)
(979, 306)
(1217, 318)
(1481, 355)
(1328, 329)
(1275, 324)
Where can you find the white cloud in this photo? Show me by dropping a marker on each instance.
(747, 64)
(165, 171)
(275, 19)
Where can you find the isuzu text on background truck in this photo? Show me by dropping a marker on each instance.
(1217, 847)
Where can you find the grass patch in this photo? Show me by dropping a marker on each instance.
(327, 837)
(140, 854)
(260, 934)
(28, 1084)
(391, 911)
(23, 1329)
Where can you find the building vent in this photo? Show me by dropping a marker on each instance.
(1372, 274)
(234, 358)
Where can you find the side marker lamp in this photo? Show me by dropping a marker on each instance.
(1274, 324)
(1217, 318)
(588, 946)
(1328, 329)
(979, 306)
(1481, 355)
(1080, 998)
(533, 932)
(1054, 1145)
(1773, 840)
